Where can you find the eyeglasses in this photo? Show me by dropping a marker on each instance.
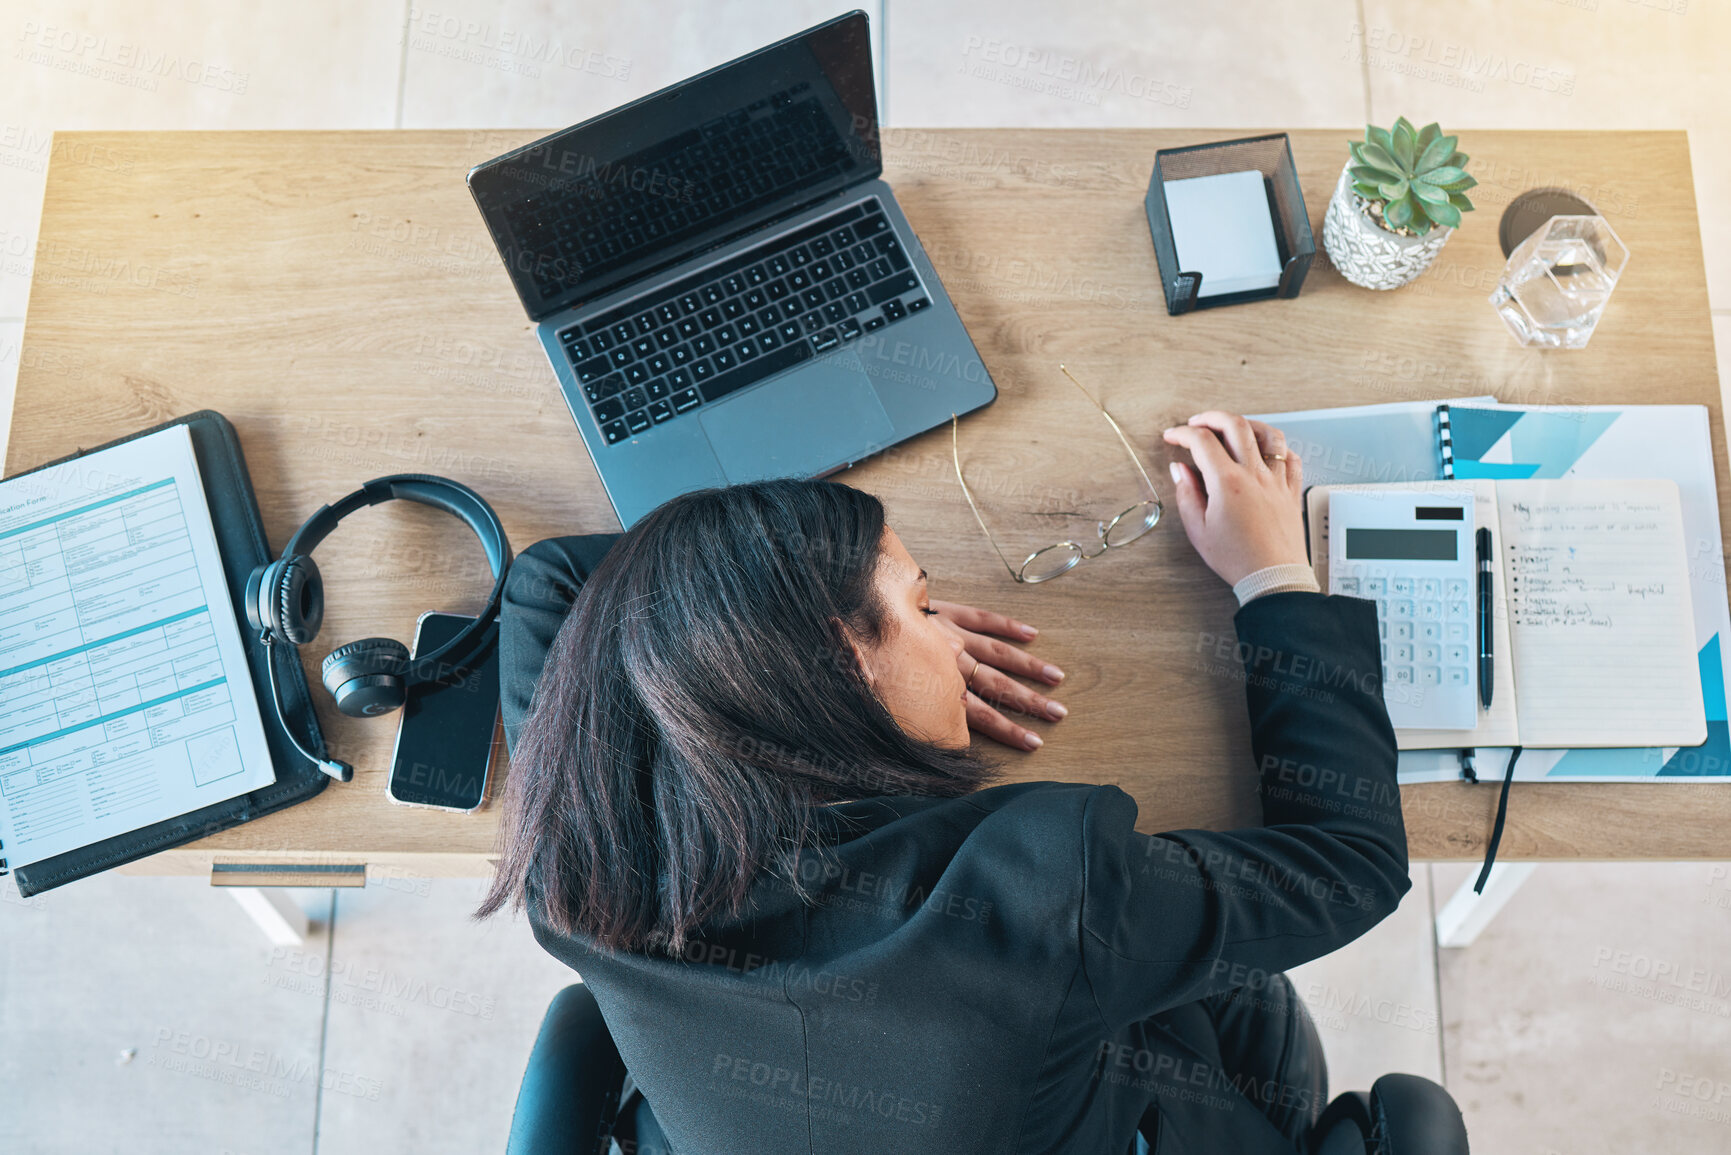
(1046, 564)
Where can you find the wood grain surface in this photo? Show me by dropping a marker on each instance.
(335, 295)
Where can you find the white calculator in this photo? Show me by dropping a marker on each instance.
(1411, 551)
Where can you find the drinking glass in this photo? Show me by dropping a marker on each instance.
(1556, 283)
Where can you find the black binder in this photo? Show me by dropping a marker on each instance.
(241, 540)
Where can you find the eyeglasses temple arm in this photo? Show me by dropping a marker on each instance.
(1128, 448)
(956, 455)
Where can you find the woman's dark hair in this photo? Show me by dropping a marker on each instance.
(698, 705)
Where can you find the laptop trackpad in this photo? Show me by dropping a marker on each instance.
(823, 415)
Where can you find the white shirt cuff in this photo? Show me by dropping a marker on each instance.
(1276, 579)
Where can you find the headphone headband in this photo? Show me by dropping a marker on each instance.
(440, 493)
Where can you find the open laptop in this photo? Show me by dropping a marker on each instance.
(725, 287)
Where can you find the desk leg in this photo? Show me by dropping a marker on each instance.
(1465, 914)
(275, 911)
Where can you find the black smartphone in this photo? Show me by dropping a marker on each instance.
(446, 737)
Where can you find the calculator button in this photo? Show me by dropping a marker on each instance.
(1457, 655)
(1376, 586)
(1456, 631)
(1456, 588)
(1402, 631)
(1457, 676)
(1430, 611)
(1457, 610)
(1347, 585)
(1429, 676)
(1429, 588)
(1401, 675)
(1431, 654)
(1429, 632)
(1381, 628)
(1400, 607)
(1403, 653)
(1403, 585)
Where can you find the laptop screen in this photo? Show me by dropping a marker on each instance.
(586, 210)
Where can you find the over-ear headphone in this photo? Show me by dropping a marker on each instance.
(285, 603)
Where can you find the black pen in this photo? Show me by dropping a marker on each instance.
(1486, 667)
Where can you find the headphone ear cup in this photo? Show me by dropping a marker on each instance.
(291, 599)
(257, 617)
(367, 678)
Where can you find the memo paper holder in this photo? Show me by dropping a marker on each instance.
(1272, 157)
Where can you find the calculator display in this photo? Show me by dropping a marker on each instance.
(1401, 544)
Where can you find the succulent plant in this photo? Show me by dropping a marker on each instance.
(1415, 175)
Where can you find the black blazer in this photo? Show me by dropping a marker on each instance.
(977, 973)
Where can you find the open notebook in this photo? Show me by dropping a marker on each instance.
(1594, 629)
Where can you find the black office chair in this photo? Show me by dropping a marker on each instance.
(1399, 1115)
(576, 1093)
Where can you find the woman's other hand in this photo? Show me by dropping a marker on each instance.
(1239, 496)
(987, 663)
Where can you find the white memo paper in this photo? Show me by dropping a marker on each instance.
(125, 697)
(1222, 228)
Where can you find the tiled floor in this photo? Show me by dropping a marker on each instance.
(1594, 1015)
(431, 1018)
(149, 1015)
(1031, 62)
(458, 76)
(140, 1014)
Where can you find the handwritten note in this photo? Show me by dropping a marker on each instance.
(1600, 619)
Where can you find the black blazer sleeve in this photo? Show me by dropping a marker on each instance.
(1172, 917)
(543, 583)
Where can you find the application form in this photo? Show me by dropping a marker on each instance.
(125, 697)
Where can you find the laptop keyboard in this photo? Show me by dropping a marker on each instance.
(670, 352)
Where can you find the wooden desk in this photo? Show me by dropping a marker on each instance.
(335, 295)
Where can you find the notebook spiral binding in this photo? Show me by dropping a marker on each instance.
(1445, 442)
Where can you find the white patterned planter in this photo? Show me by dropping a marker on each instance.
(1367, 254)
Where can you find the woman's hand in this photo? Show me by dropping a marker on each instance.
(1239, 501)
(988, 664)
